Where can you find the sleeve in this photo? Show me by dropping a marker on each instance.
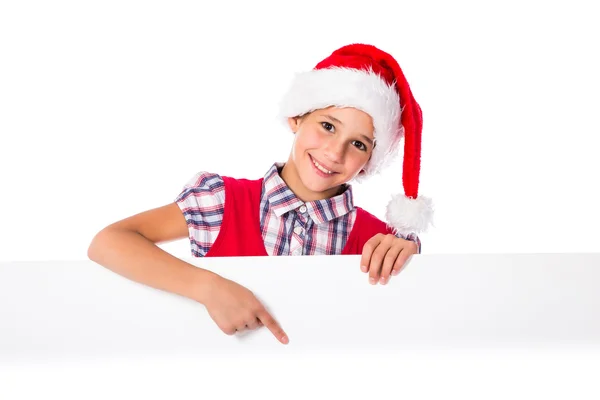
(412, 237)
(202, 202)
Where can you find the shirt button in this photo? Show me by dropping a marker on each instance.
(303, 209)
(298, 230)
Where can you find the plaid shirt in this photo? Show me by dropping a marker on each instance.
(289, 226)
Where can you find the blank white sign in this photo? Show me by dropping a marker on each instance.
(447, 326)
(325, 304)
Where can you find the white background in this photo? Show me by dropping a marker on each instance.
(108, 108)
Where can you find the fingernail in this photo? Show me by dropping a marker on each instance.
(395, 272)
(285, 339)
(363, 268)
(383, 280)
(372, 281)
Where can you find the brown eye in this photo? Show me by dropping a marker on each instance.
(327, 126)
(359, 145)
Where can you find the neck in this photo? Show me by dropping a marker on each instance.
(290, 176)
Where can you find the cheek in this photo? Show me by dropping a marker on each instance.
(309, 139)
(358, 161)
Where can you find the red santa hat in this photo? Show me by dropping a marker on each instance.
(366, 78)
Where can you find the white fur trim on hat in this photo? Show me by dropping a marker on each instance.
(408, 215)
(347, 87)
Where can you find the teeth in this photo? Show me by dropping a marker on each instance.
(321, 167)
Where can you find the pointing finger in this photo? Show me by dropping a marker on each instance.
(268, 321)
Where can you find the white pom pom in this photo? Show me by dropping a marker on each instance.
(408, 215)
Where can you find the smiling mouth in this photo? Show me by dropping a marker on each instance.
(320, 167)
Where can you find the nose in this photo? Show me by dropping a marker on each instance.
(334, 150)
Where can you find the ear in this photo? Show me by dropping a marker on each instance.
(294, 123)
(362, 171)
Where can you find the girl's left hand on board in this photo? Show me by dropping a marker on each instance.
(385, 255)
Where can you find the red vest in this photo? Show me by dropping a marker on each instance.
(240, 234)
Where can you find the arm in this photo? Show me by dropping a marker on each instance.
(129, 248)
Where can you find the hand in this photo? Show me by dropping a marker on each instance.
(384, 255)
(234, 308)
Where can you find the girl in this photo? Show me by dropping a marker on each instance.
(348, 116)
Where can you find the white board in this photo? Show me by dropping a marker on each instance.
(52, 313)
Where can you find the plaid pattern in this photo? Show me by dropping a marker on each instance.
(289, 226)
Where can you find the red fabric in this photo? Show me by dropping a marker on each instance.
(241, 236)
(365, 227)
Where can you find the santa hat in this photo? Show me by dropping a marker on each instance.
(366, 78)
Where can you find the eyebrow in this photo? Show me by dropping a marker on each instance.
(334, 119)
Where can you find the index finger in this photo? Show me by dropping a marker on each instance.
(273, 326)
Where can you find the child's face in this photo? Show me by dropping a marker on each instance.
(331, 147)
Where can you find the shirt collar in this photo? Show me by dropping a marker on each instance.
(282, 200)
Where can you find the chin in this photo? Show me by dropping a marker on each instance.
(319, 187)
(313, 185)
